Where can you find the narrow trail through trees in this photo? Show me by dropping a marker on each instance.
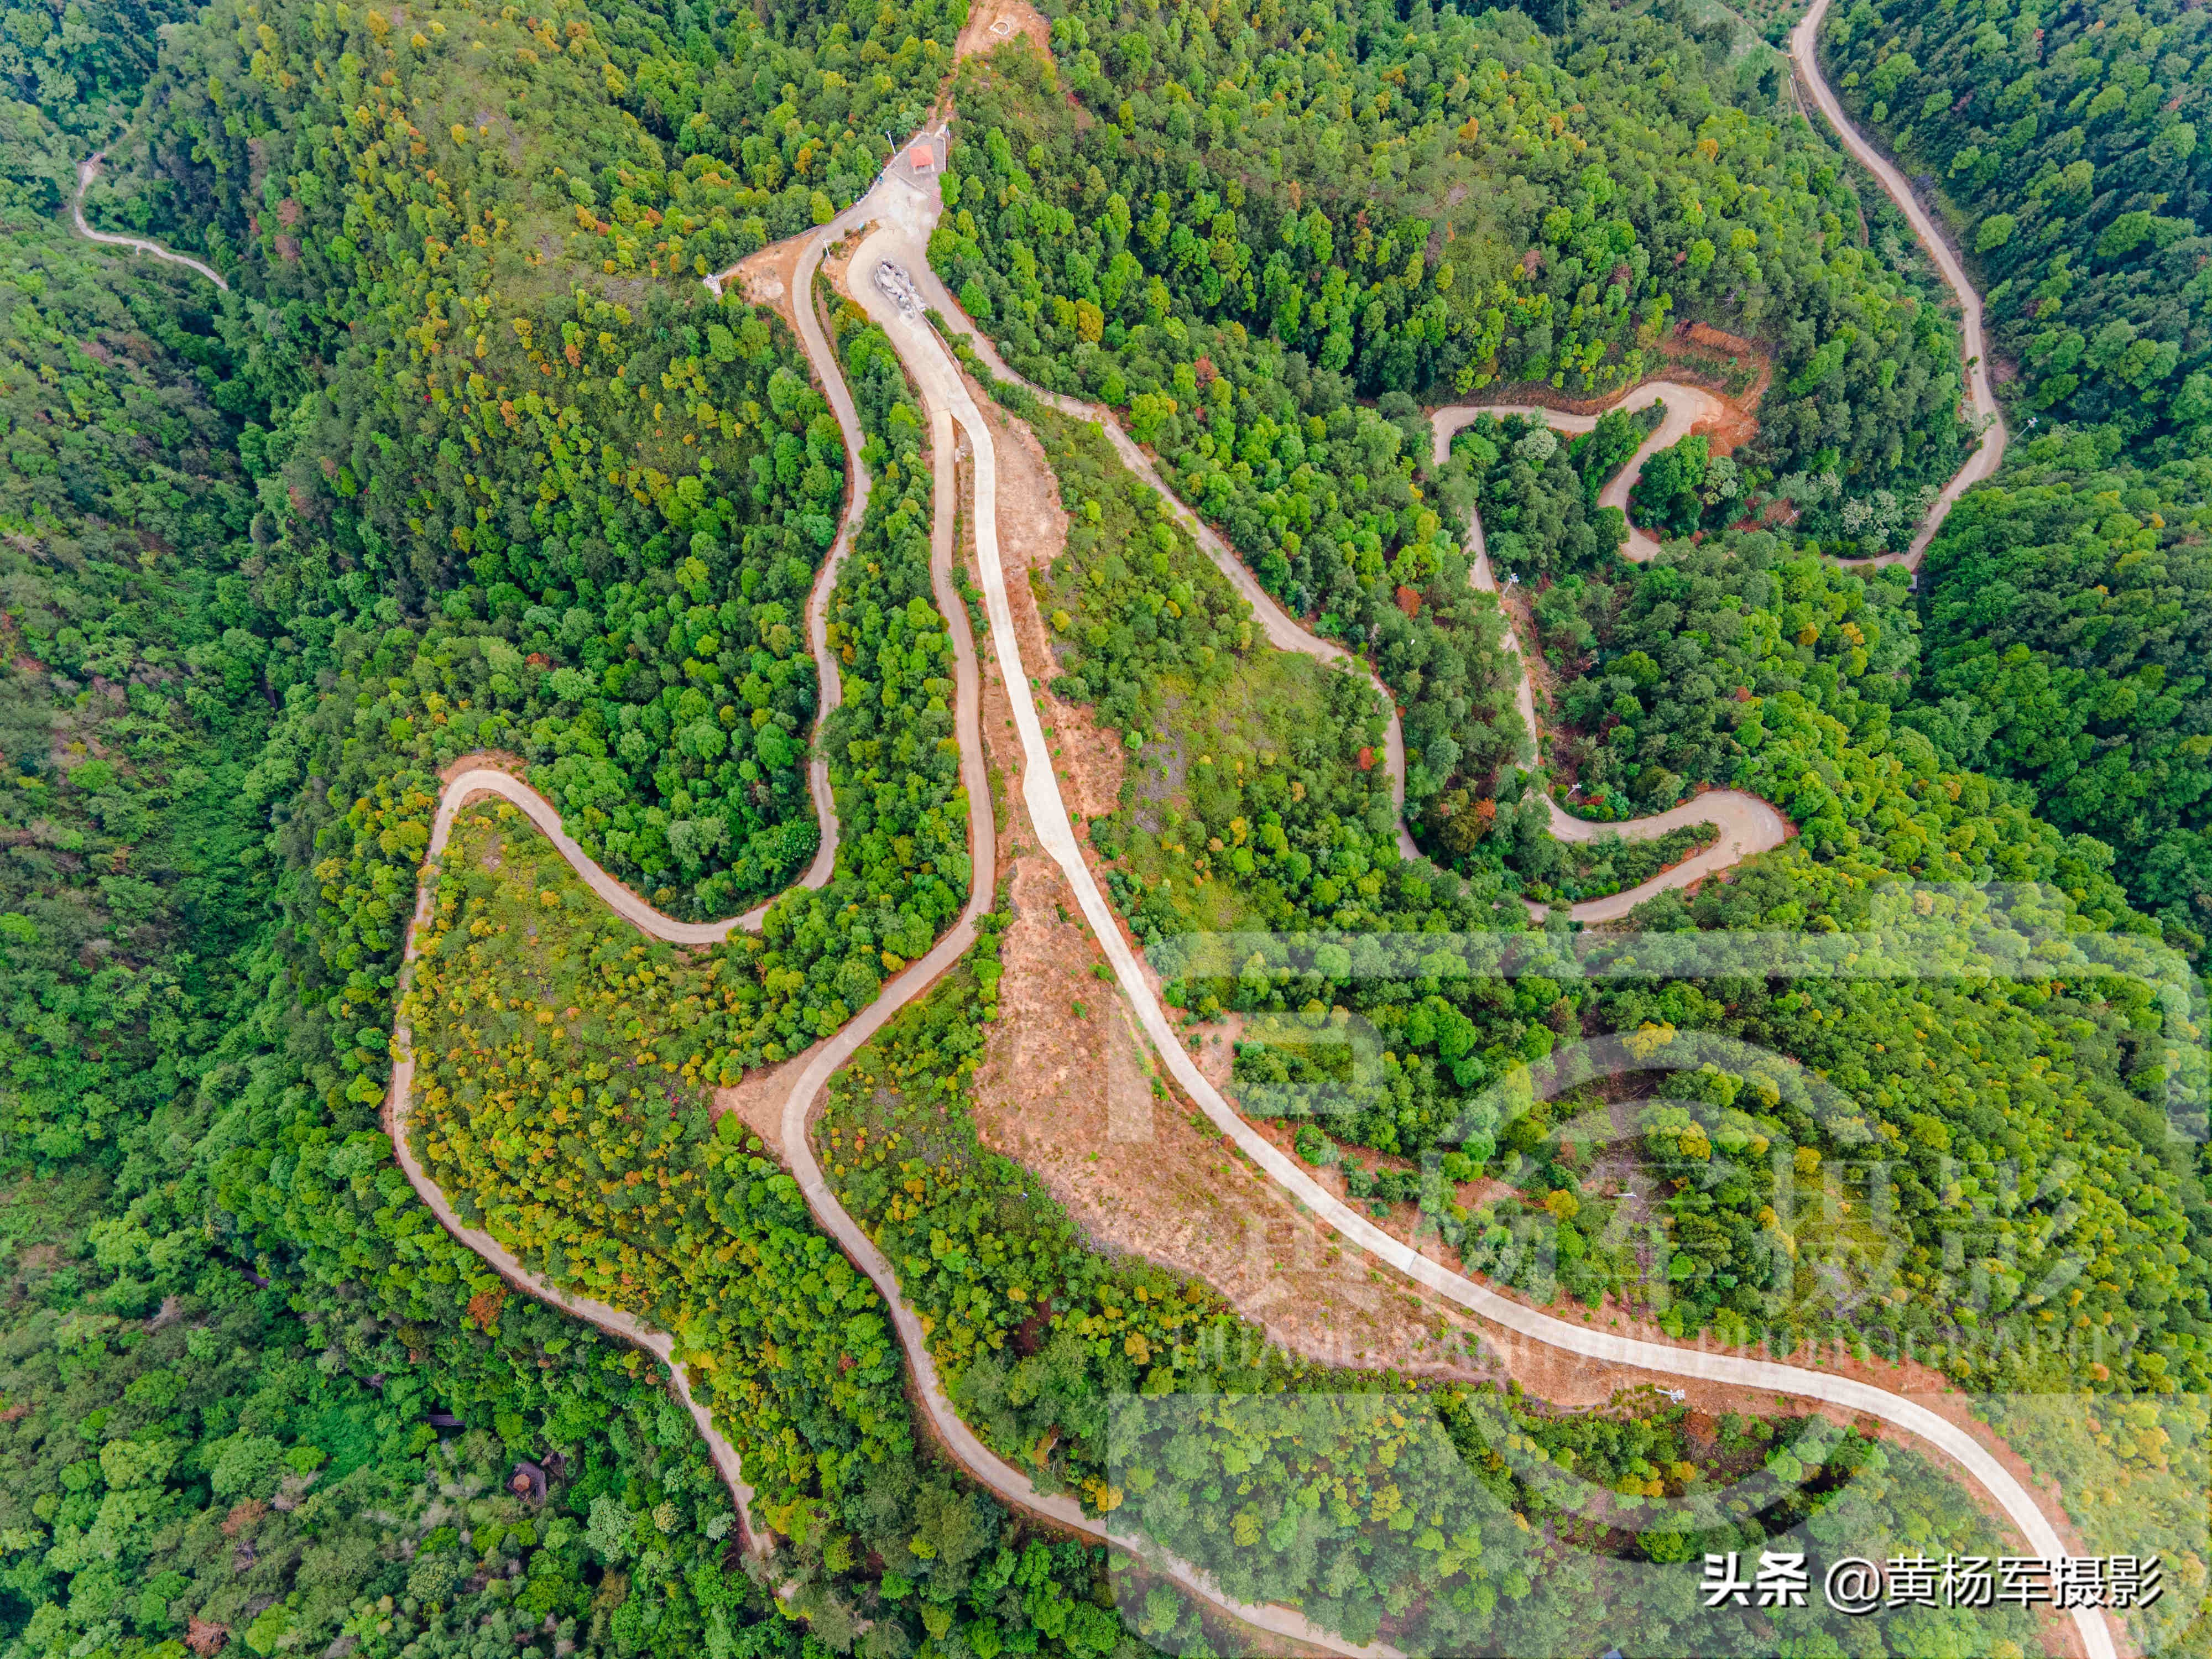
(87, 171)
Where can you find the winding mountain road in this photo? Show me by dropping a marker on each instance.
(1686, 406)
(832, 1056)
(1981, 397)
(87, 171)
(1744, 824)
(1281, 629)
(902, 234)
(903, 215)
(476, 782)
(1747, 825)
(398, 1100)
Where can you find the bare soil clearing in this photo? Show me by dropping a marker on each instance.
(500, 760)
(758, 1097)
(1032, 534)
(991, 23)
(1067, 1085)
(766, 279)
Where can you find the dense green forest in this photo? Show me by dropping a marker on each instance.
(1454, 1518)
(71, 79)
(227, 1323)
(1537, 496)
(467, 457)
(2067, 144)
(272, 559)
(1438, 212)
(1746, 661)
(2066, 607)
(634, 482)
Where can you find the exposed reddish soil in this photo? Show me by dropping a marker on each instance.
(1728, 433)
(496, 760)
(765, 278)
(1720, 340)
(1716, 359)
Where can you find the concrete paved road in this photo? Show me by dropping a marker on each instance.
(903, 215)
(902, 229)
(1804, 42)
(930, 364)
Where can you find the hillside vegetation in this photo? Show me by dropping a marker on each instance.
(466, 458)
(273, 559)
(2066, 606)
(1183, 253)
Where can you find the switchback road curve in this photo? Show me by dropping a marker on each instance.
(830, 1057)
(1686, 407)
(1745, 824)
(903, 212)
(87, 171)
(902, 232)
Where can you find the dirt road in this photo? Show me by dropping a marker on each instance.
(809, 1088)
(1282, 630)
(1748, 825)
(1687, 407)
(902, 217)
(87, 171)
(398, 1100)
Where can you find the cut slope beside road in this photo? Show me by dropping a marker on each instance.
(809, 1087)
(931, 365)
